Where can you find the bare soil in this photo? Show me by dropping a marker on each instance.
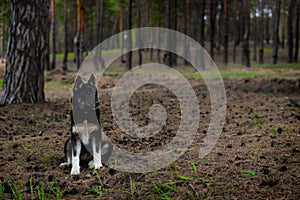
(256, 157)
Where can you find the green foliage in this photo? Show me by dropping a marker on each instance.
(15, 191)
(252, 173)
(257, 121)
(1, 83)
(100, 188)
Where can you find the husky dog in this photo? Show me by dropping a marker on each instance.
(85, 127)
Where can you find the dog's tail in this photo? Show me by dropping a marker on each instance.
(106, 151)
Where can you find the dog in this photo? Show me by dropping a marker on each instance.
(86, 127)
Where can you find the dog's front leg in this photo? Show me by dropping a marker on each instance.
(76, 148)
(96, 145)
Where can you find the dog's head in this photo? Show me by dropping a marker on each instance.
(85, 94)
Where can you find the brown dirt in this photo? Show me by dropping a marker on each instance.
(261, 134)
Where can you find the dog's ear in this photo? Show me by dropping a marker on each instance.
(92, 80)
(78, 83)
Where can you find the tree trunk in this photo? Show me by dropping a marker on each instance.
(261, 35)
(129, 37)
(276, 18)
(99, 33)
(220, 7)
(53, 34)
(226, 31)
(186, 52)
(77, 39)
(202, 22)
(297, 32)
(140, 62)
(283, 23)
(235, 31)
(246, 49)
(167, 56)
(121, 30)
(255, 32)
(24, 71)
(212, 27)
(268, 29)
(64, 65)
(290, 30)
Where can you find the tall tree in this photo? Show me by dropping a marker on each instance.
(226, 31)
(297, 31)
(129, 37)
(78, 37)
(254, 31)
(283, 23)
(168, 55)
(202, 5)
(235, 31)
(261, 35)
(186, 28)
(99, 33)
(27, 48)
(246, 49)
(121, 30)
(212, 27)
(65, 58)
(140, 62)
(276, 18)
(291, 30)
(53, 34)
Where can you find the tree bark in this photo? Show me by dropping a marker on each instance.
(235, 31)
(64, 65)
(121, 30)
(77, 39)
(283, 23)
(246, 49)
(226, 31)
(168, 55)
(129, 37)
(53, 34)
(185, 30)
(290, 30)
(261, 35)
(276, 18)
(212, 27)
(27, 48)
(140, 62)
(202, 22)
(255, 32)
(297, 32)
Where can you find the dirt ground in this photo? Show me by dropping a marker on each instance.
(256, 157)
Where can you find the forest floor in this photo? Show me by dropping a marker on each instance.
(257, 155)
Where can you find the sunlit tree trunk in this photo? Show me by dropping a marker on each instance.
(77, 39)
(27, 49)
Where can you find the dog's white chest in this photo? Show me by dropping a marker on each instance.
(84, 129)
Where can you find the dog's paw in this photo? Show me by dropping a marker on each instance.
(75, 171)
(65, 164)
(95, 165)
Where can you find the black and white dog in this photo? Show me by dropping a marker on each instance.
(85, 127)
